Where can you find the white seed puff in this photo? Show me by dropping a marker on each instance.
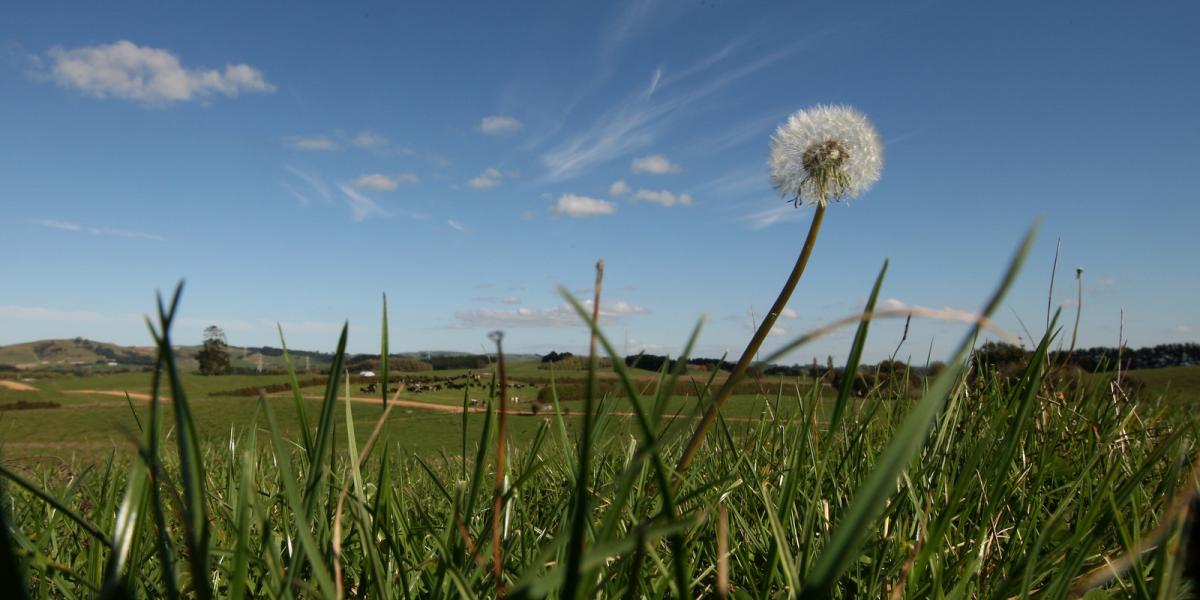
(857, 154)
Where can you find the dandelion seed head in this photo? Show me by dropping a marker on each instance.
(825, 153)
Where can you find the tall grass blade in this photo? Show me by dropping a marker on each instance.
(297, 398)
(384, 357)
(191, 464)
(12, 580)
(873, 494)
(856, 350)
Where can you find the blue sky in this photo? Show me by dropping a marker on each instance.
(293, 161)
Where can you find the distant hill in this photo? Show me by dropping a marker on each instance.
(89, 355)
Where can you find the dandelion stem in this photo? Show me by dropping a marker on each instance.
(498, 507)
(760, 335)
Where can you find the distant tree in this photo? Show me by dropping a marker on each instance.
(214, 356)
(555, 356)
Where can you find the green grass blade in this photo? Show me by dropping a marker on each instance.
(297, 397)
(12, 580)
(856, 350)
(323, 440)
(239, 581)
(191, 465)
(384, 360)
(300, 510)
(30, 487)
(873, 494)
(127, 527)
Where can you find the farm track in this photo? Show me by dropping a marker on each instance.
(117, 393)
(450, 408)
(405, 402)
(16, 386)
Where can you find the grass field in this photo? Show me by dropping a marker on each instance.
(95, 418)
(979, 486)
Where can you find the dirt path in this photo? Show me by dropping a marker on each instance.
(17, 386)
(447, 408)
(117, 393)
(520, 412)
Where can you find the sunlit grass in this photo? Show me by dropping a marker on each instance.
(980, 488)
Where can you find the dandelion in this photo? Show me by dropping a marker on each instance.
(825, 153)
(819, 155)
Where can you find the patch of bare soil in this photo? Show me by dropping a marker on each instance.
(17, 386)
(117, 393)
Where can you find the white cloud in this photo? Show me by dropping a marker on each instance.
(361, 207)
(149, 76)
(499, 125)
(317, 142)
(261, 326)
(891, 304)
(771, 216)
(498, 299)
(654, 164)
(369, 139)
(490, 178)
(558, 316)
(663, 198)
(1182, 329)
(137, 235)
(455, 225)
(574, 206)
(314, 183)
(39, 313)
(638, 120)
(56, 224)
(788, 313)
(618, 188)
(654, 79)
(98, 231)
(384, 183)
(482, 183)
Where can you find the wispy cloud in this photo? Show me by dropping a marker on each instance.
(313, 185)
(41, 313)
(577, 207)
(384, 183)
(148, 76)
(636, 14)
(499, 125)
(663, 198)
(654, 164)
(318, 143)
(748, 181)
(361, 207)
(618, 188)
(498, 299)
(369, 139)
(260, 326)
(654, 79)
(772, 216)
(637, 121)
(98, 231)
(558, 316)
(455, 225)
(51, 223)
